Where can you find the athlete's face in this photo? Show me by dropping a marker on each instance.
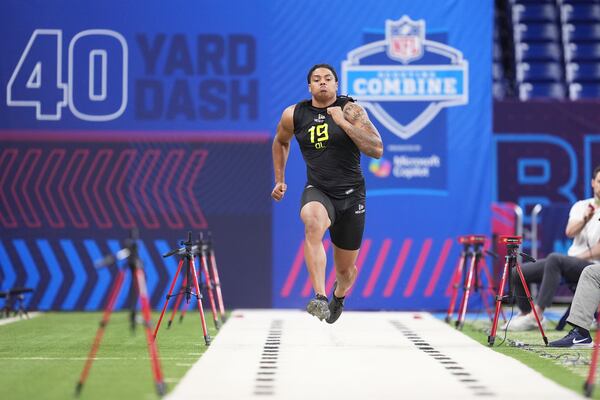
(596, 185)
(323, 85)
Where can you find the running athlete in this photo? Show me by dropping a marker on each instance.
(331, 131)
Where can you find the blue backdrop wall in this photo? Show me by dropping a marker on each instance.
(161, 117)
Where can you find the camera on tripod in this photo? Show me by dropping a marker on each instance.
(512, 245)
(511, 240)
(472, 240)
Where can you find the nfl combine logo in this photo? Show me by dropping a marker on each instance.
(406, 69)
(405, 39)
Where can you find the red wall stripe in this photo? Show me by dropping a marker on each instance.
(439, 266)
(414, 278)
(381, 257)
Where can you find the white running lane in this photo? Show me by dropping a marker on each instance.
(287, 354)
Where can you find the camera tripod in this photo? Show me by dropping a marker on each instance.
(15, 296)
(203, 249)
(472, 249)
(134, 265)
(186, 253)
(512, 246)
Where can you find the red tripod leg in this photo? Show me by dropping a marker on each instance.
(465, 299)
(168, 297)
(200, 309)
(140, 281)
(588, 386)
(100, 332)
(499, 297)
(455, 285)
(209, 289)
(177, 302)
(528, 294)
(215, 275)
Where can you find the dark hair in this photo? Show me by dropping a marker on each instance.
(596, 172)
(329, 67)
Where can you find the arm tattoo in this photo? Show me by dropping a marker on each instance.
(362, 131)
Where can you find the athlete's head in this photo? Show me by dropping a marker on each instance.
(322, 82)
(596, 181)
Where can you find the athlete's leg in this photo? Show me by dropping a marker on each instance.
(316, 221)
(345, 269)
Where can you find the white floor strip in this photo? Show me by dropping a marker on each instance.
(6, 321)
(378, 355)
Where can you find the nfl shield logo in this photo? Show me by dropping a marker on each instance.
(405, 39)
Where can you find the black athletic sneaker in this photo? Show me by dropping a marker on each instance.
(573, 339)
(318, 307)
(336, 306)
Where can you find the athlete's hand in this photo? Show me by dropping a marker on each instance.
(589, 214)
(279, 191)
(337, 114)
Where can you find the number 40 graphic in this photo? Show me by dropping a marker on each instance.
(96, 86)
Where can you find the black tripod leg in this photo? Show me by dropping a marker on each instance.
(132, 302)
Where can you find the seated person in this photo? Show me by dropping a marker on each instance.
(585, 303)
(584, 228)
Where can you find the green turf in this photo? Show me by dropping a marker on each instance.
(42, 358)
(566, 367)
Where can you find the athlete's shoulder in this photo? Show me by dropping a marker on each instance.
(346, 98)
(287, 117)
(343, 101)
(303, 104)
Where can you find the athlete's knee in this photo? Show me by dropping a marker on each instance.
(346, 270)
(554, 261)
(314, 224)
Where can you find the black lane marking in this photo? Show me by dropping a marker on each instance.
(267, 366)
(450, 365)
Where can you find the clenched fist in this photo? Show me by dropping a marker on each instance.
(279, 191)
(337, 114)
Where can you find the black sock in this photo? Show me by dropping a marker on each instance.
(582, 331)
(321, 297)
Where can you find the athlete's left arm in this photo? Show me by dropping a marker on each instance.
(361, 130)
(592, 253)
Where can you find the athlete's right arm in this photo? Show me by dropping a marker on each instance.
(281, 150)
(576, 225)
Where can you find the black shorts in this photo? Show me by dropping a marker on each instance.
(347, 215)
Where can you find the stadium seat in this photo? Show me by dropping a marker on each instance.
(572, 13)
(580, 1)
(582, 52)
(539, 72)
(551, 91)
(534, 13)
(532, 2)
(583, 72)
(499, 90)
(584, 91)
(581, 32)
(497, 52)
(538, 52)
(545, 32)
(497, 71)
